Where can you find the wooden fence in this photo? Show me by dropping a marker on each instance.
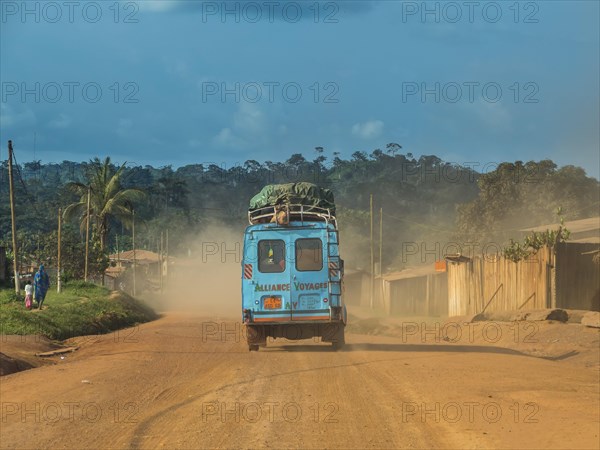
(494, 283)
(567, 278)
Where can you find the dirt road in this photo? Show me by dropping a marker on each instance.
(186, 381)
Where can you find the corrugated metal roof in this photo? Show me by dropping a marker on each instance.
(586, 240)
(140, 256)
(589, 229)
(114, 272)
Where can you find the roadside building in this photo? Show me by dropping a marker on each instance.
(356, 287)
(151, 269)
(418, 291)
(568, 277)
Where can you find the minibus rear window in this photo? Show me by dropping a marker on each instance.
(309, 255)
(271, 256)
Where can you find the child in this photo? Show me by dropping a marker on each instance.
(28, 295)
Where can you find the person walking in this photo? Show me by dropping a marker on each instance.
(41, 283)
(28, 295)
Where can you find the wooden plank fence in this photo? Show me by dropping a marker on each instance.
(495, 283)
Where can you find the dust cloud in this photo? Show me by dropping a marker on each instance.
(206, 280)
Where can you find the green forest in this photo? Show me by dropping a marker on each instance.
(427, 203)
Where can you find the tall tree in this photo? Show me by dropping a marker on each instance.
(519, 195)
(108, 199)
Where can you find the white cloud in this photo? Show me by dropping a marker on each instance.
(62, 121)
(250, 120)
(227, 138)
(368, 130)
(249, 128)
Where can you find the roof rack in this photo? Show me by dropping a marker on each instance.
(293, 212)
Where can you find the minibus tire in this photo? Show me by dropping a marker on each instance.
(339, 340)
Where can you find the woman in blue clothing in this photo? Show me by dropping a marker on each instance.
(41, 283)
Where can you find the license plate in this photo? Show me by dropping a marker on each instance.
(272, 303)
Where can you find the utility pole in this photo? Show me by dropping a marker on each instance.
(58, 263)
(380, 241)
(160, 260)
(133, 243)
(372, 267)
(12, 217)
(87, 234)
(167, 258)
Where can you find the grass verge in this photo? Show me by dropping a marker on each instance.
(81, 309)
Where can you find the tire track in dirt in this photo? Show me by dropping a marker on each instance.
(144, 427)
(356, 398)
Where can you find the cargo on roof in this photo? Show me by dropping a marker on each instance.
(307, 194)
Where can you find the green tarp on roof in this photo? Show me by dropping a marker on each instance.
(308, 194)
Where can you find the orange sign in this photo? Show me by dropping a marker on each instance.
(272, 303)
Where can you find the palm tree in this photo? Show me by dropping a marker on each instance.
(108, 200)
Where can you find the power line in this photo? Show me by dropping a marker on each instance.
(31, 198)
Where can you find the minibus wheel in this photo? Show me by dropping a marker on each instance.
(339, 339)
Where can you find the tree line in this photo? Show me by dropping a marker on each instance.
(424, 200)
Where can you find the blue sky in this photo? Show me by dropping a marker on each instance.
(181, 82)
